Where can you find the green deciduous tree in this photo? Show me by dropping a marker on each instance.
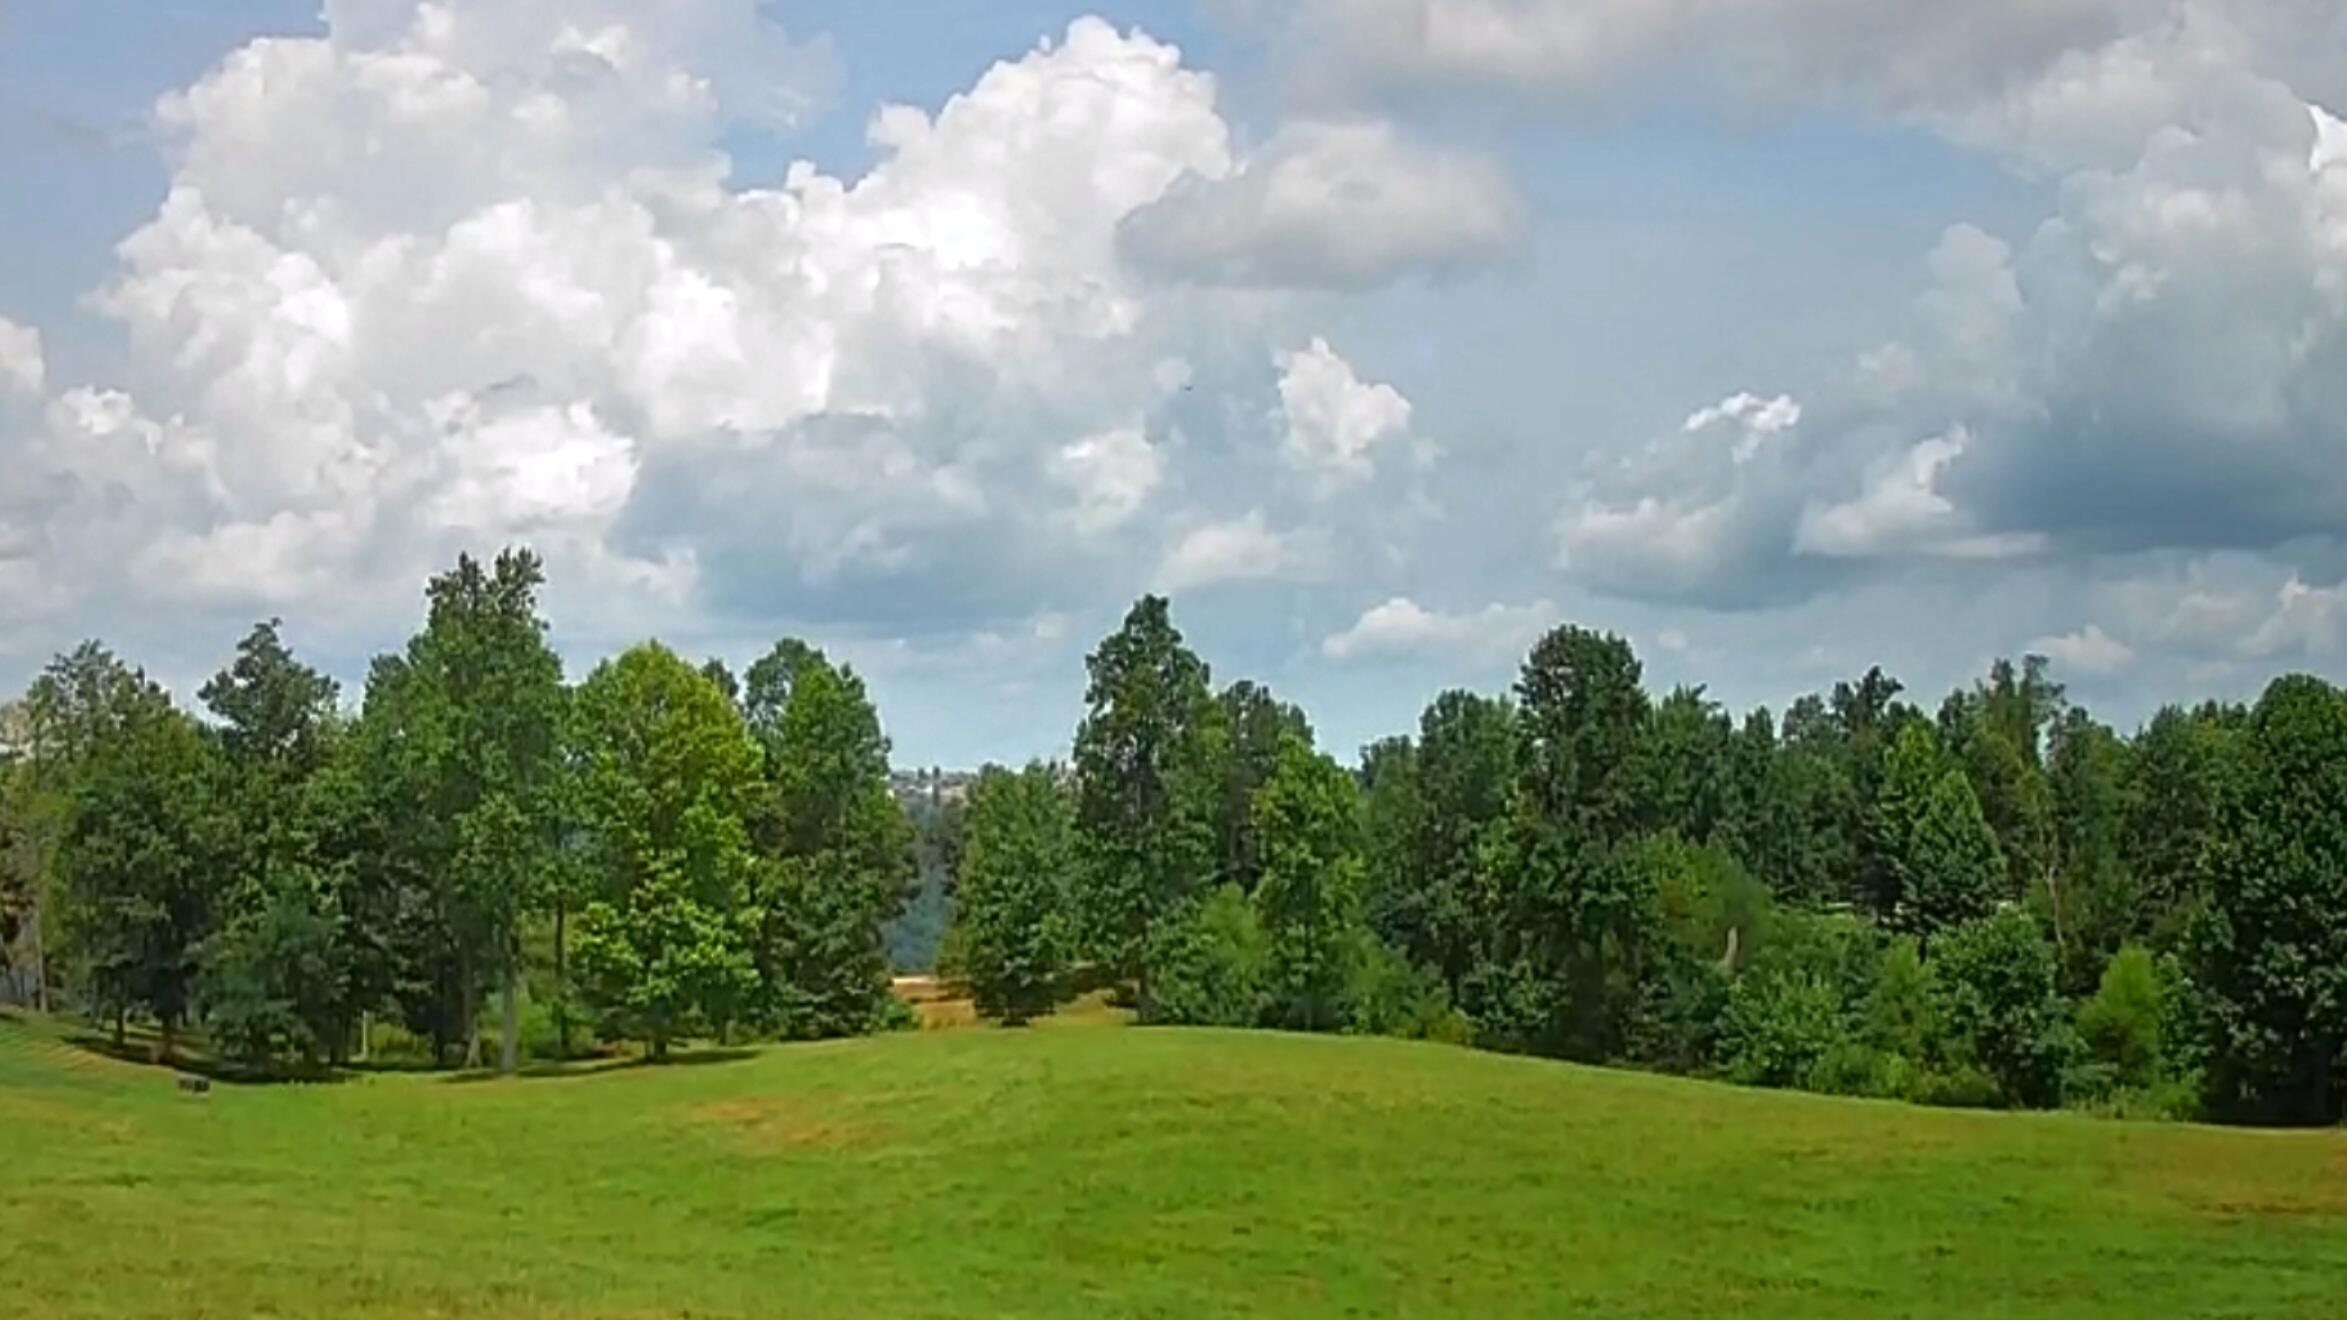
(2124, 1021)
(1258, 724)
(1147, 761)
(1995, 977)
(460, 734)
(1017, 865)
(1208, 964)
(1433, 810)
(1912, 771)
(1308, 823)
(141, 849)
(2271, 951)
(840, 850)
(287, 971)
(668, 778)
(2088, 890)
(1582, 721)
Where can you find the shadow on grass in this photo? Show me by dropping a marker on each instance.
(541, 1072)
(142, 1046)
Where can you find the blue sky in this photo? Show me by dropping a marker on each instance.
(1784, 338)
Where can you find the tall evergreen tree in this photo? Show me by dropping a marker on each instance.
(1955, 871)
(1911, 774)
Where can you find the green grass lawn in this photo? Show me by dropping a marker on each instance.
(1123, 1172)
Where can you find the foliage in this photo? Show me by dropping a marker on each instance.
(1258, 725)
(1953, 869)
(1389, 997)
(1148, 784)
(2000, 1006)
(462, 734)
(842, 858)
(1013, 895)
(141, 848)
(2122, 1024)
(2271, 951)
(1209, 966)
(668, 776)
(1308, 826)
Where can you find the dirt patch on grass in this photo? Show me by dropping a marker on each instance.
(774, 1126)
(2242, 1175)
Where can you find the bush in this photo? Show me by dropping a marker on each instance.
(1902, 1015)
(1206, 968)
(1961, 1086)
(2121, 1024)
(1852, 1067)
(1779, 1028)
(1995, 991)
(1392, 998)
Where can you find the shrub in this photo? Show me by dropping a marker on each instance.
(2121, 1024)
(1995, 991)
(1391, 998)
(1779, 1028)
(1206, 967)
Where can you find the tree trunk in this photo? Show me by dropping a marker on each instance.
(561, 986)
(468, 998)
(509, 1044)
(40, 950)
(170, 1026)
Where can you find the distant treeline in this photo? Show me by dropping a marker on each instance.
(1997, 902)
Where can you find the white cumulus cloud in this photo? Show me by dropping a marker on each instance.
(1332, 205)
(1241, 549)
(2089, 650)
(1335, 421)
(1403, 627)
(23, 369)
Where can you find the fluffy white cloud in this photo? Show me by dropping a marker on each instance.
(1111, 475)
(1242, 549)
(1332, 205)
(1895, 52)
(2157, 365)
(23, 369)
(1652, 546)
(453, 274)
(1402, 627)
(1335, 421)
(1902, 512)
(2089, 650)
(2306, 621)
(1754, 419)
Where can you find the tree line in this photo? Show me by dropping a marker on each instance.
(1998, 901)
(660, 850)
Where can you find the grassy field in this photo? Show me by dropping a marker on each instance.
(1116, 1172)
